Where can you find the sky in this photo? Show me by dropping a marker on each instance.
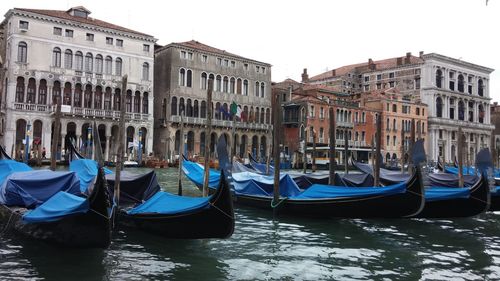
(317, 35)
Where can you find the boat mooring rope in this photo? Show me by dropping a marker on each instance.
(279, 203)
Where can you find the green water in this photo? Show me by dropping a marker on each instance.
(263, 248)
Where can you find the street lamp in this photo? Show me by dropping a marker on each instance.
(27, 150)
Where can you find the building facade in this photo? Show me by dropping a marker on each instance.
(67, 55)
(182, 74)
(456, 93)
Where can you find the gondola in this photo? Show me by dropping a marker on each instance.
(144, 206)
(261, 168)
(401, 200)
(50, 206)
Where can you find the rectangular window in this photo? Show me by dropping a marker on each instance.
(57, 31)
(391, 75)
(367, 78)
(226, 63)
(145, 48)
(183, 54)
(379, 76)
(190, 56)
(90, 37)
(379, 86)
(233, 64)
(219, 61)
(417, 83)
(257, 69)
(119, 42)
(311, 113)
(391, 84)
(367, 88)
(23, 24)
(109, 40)
(263, 70)
(204, 58)
(68, 33)
(245, 66)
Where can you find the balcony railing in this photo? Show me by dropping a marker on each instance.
(220, 123)
(84, 112)
(345, 124)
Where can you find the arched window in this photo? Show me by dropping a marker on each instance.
(480, 87)
(98, 64)
(387, 125)
(439, 78)
(268, 116)
(89, 62)
(118, 67)
(128, 101)
(195, 109)
(262, 115)
(232, 83)
(108, 65)
(182, 77)
(117, 100)
(257, 85)
(98, 97)
(461, 83)
(20, 89)
(145, 103)
(31, 93)
(87, 96)
(137, 101)
(218, 83)
(394, 124)
(245, 87)
(439, 107)
(394, 108)
(481, 113)
(79, 61)
(238, 86)
(471, 111)
(189, 108)
(262, 89)
(67, 94)
(217, 111)
(78, 95)
(189, 78)
(145, 71)
(257, 115)
(461, 110)
(22, 52)
(182, 107)
(225, 85)
(203, 81)
(56, 57)
(56, 92)
(42, 92)
(203, 109)
(173, 106)
(107, 99)
(68, 59)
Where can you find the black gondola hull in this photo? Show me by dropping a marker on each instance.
(90, 230)
(405, 204)
(214, 221)
(478, 202)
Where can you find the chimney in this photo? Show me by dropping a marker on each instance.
(371, 65)
(407, 58)
(305, 77)
(399, 61)
(421, 54)
(370, 61)
(334, 73)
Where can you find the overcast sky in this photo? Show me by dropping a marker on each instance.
(317, 35)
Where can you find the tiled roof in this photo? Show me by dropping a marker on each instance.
(193, 44)
(90, 21)
(380, 65)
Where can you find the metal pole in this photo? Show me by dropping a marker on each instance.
(412, 143)
(208, 136)
(28, 132)
(346, 150)
(305, 150)
(313, 165)
(460, 157)
(276, 151)
(139, 155)
(55, 135)
(331, 144)
(402, 149)
(377, 152)
(181, 152)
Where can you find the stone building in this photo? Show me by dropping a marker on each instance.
(67, 55)
(182, 72)
(456, 93)
(495, 121)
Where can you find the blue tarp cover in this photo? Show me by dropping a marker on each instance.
(239, 167)
(496, 191)
(86, 170)
(134, 188)
(261, 168)
(32, 188)
(166, 203)
(319, 191)
(259, 185)
(195, 173)
(445, 193)
(8, 167)
(58, 206)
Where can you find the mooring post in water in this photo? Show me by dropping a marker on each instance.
(268, 158)
(121, 141)
(346, 151)
(460, 152)
(208, 137)
(57, 134)
(402, 149)
(377, 151)
(276, 152)
(412, 144)
(305, 151)
(313, 165)
(181, 152)
(331, 144)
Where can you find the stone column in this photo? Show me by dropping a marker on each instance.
(49, 96)
(37, 89)
(106, 156)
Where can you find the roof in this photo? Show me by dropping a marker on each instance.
(380, 65)
(193, 44)
(90, 21)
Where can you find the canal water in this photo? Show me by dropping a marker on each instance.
(286, 248)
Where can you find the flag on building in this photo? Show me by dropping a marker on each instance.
(236, 110)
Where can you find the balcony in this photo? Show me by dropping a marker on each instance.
(345, 124)
(220, 123)
(81, 112)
